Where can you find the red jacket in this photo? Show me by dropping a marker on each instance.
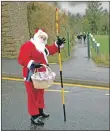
(28, 53)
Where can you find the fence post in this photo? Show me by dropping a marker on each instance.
(88, 42)
(95, 46)
(93, 43)
(98, 48)
(68, 44)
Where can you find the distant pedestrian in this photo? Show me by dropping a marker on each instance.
(79, 37)
(84, 37)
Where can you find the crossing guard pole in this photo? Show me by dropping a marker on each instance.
(59, 54)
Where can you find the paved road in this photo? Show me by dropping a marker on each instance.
(79, 68)
(86, 109)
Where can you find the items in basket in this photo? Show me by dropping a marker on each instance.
(44, 76)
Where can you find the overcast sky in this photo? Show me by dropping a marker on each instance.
(79, 7)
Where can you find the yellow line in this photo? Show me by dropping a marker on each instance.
(85, 86)
(9, 78)
(18, 79)
(56, 90)
(65, 84)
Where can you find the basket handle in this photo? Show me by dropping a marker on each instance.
(47, 68)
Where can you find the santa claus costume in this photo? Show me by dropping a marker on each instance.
(32, 54)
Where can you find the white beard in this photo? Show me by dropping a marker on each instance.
(39, 44)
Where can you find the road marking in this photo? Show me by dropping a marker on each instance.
(107, 94)
(13, 79)
(56, 90)
(84, 86)
(17, 79)
(65, 84)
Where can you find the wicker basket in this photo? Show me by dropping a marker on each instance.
(42, 84)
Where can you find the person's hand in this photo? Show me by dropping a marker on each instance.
(60, 41)
(35, 65)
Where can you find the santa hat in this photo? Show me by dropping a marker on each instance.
(39, 32)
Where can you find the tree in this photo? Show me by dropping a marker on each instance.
(93, 14)
(86, 25)
(55, 3)
(104, 22)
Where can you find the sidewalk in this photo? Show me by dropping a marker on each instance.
(78, 70)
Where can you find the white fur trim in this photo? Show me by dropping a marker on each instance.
(32, 40)
(29, 64)
(45, 42)
(47, 51)
(24, 78)
(60, 46)
(40, 32)
(45, 57)
(56, 44)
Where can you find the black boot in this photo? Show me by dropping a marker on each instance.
(42, 113)
(36, 120)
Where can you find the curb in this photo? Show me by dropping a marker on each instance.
(52, 63)
(103, 66)
(100, 65)
(65, 80)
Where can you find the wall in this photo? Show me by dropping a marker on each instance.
(14, 27)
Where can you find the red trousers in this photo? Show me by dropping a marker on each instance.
(35, 98)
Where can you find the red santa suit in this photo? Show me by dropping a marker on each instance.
(28, 54)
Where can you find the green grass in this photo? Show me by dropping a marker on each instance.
(103, 57)
(64, 54)
(104, 43)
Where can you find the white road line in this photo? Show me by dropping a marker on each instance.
(107, 94)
